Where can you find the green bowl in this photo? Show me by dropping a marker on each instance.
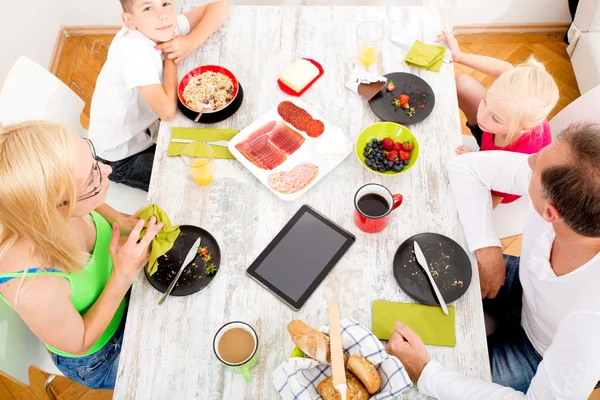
(381, 130)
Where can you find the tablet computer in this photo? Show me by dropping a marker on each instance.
(299, 258)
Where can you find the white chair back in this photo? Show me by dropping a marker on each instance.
(586, 108)
(30, 92)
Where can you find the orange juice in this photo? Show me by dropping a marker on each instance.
(367, 55)
(202, 171)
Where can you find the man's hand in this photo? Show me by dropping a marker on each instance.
(492, 270)
(408, 347)
(177, 48)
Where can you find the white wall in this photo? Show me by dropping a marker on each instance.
(462, 12)
(484, 12)
(28, 28)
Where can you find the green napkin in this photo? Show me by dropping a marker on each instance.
(202, 134)
(429, 322)
(164, 240)
(425, 56)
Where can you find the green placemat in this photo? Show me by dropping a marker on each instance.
(205, 135)
(429, 322)
(425, 56)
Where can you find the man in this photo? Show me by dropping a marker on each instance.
(547, 302)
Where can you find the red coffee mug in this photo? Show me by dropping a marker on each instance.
(373, 206)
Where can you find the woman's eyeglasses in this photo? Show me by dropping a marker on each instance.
(95, 179)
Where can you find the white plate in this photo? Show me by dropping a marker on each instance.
(306, 153)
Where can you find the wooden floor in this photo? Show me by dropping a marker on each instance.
(61, 387)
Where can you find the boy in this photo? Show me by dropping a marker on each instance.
(138, 83)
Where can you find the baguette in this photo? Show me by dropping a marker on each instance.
(313, 343)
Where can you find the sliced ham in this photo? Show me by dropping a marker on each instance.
(295, 180)
(285, 138)
(268, 146)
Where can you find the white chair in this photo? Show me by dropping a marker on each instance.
(30, 92)
(583, 109)
(509, 219)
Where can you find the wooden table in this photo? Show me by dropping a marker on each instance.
(167, 350)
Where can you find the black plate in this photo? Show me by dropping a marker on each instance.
(216, 116)
(447, 260)
(408, 84)
(193, 279)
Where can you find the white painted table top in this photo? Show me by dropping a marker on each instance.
(167, 351)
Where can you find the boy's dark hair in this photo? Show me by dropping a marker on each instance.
(126, 5)
(574, 188)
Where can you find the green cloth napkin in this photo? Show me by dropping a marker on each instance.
(425, 56)
(205, 135)
(429, 322)
(164, 240)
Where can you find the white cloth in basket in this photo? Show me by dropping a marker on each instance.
(298, 378)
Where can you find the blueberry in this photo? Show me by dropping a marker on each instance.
(366, 154)
(379, 142)
(400, 167)
(374, 140)
(369, 145)
(368, 162)
(406, 162)
(381, 169)
(373, 167)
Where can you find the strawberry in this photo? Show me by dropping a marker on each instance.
(404, 155)
(391, 86)
(398, 146)
(388, 144)
(404, 98)
(408, 146)
(392, 156)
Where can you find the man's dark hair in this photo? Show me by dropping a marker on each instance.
(574, 188)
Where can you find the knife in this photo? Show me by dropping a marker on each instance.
(337, 354)
(407, 48)
(223, 143)
(423, 263)
(188, 259)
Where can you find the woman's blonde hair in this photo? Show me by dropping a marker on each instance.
(36, 177)
(530, 94)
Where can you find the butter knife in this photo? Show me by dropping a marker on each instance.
(407, 48)
(423, 263)
(188, 259)
(337, 353)
(223, 143)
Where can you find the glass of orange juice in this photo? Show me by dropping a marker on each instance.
(369, 35)
(199, 159)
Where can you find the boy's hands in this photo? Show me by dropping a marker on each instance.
(177, 48)
(452, 45)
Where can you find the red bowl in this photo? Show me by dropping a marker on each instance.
(200, 70)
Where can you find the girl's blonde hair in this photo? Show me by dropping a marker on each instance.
(530, 94)
(36, 177)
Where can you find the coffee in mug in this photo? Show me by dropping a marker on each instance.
(236, 345)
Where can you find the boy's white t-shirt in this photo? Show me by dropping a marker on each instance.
(119, 114)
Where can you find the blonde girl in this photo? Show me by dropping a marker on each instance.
(62, 267)
(511, 114)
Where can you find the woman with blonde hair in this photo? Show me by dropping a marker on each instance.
(62, 266)
(511, 114)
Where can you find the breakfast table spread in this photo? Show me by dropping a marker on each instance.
(168, 349)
